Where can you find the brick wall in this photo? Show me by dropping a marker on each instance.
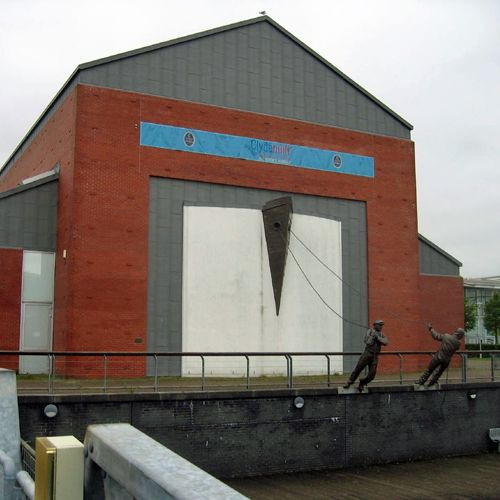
(101, 287)
(442, 304)
(54, 145)
(10, 302)
(245, 434)
(109, 257)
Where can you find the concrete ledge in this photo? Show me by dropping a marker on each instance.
(352, 390)
(418, 387)
(234, 394)
(142, 468)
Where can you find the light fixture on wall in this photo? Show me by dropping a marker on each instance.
(472, 395)
(50, 411)
(298, 402)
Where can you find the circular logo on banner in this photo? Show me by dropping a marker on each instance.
(188, 139)
(337, 161)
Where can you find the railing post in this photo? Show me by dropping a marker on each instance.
(202, 372)
(464, 367)
(248, 371)
(290, 382)
(51, 373)
(105, 385)
(156, 373)
(400, 356)
(327, 370)
(492, 357)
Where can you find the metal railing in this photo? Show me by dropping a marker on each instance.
(28, 458)
(61, 369)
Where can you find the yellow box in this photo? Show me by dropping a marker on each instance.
(59, 468)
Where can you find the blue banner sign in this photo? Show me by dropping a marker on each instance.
(247, 148)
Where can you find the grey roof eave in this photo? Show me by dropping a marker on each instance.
(149, 48)
(26, 187)
(440, 250)
(491, 282)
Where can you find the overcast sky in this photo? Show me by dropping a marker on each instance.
(434, 62)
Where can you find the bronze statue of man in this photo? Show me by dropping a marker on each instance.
(441, 359)
(374, 340)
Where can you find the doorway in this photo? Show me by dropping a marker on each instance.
(37, 303)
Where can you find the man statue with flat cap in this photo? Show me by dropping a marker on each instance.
(441, 359)
(374, 340)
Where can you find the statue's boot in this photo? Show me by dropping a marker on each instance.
(421, 380)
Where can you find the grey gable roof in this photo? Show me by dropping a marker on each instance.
(439, 250)
(254, 65)
(435, 261)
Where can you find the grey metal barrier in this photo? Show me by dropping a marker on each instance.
(102, 372)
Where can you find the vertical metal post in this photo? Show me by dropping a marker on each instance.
(290, 384)
(400, 356)
(328, 370)
(248, 371)
(105, 373)
(492, 358)
(287, 371)
(156, 373)
(464, 367)
(51, 373)
(202, 372)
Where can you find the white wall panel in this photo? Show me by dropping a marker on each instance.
(228, 302)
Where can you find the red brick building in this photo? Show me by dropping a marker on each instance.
(141, 187)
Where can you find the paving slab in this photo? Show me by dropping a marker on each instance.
(476, 476)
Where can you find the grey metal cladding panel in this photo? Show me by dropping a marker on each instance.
(167, 199)
(255, 68)
(28, 219)
(433, 262)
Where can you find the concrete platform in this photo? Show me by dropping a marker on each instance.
(435, 387)
(476, 476)
(352, 390)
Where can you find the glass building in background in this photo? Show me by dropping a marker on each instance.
(479, 291)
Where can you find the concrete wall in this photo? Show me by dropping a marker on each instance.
(168, 201)
(228, 301)
(245, 433)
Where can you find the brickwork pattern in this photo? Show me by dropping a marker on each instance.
(111, 203)
(236, 436)
(10, 299)
(101, 286)
(54, 145)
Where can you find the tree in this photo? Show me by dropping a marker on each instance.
(492, 315)
(470, 314)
